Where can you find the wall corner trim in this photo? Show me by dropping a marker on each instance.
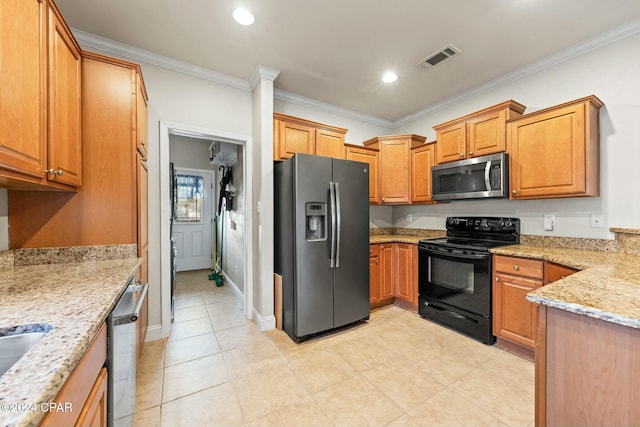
(264, 323)
(262, 72)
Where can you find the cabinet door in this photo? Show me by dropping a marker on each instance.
(295, 138)
(406, 285)
(486, 134)
(374, 280)
(548, 154)
(387, 277)
(142, 127)
(330, 144)
(23, 97)
(142, 205)
(514, 318)
(94, 412)
(395, 171)
(451, 143)
(64, 141)
(371, 157)
(422, 158)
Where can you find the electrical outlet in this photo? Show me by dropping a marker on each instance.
(409, 217)
(548, 222)
(597, 221)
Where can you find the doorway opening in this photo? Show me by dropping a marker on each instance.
(200, 221)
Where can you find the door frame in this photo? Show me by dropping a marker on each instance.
(212, 177)
(244, 141)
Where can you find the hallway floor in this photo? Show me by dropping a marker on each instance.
(397, 369)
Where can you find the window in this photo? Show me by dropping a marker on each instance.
(190, 198)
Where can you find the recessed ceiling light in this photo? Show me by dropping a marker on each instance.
(389, 77)
(243, 16)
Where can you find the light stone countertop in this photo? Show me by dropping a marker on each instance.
(75, 299)
(606, 288)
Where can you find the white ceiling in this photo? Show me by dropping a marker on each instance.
(336, 51)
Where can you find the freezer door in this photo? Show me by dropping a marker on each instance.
(351, 276)
(313, 288)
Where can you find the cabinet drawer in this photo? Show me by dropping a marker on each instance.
(519, 266)
(374, 250)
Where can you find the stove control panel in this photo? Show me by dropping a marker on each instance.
(483, 224)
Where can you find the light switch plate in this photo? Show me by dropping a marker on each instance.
(548, 222)
(409, 217)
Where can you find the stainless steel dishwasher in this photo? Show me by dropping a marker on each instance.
(121, 355)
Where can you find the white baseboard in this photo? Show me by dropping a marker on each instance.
(154, 332)
(232, 285)
(264, 323)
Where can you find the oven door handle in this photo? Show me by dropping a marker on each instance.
(457, 255)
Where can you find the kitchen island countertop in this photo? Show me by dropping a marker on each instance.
(74, 299)
(606, 288)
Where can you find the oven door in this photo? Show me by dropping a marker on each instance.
(458, 278)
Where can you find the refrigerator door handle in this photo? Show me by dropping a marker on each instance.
(339, 224)
(332, 201)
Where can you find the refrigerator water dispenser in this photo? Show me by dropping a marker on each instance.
(316, 221)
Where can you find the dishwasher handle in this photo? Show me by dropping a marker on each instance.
(135, 315)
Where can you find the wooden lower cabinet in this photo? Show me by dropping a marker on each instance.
(515, 319)
(407, 275)
(94, 413)
(386, 273)
(84, 390)
(586, 371)
(393, 269)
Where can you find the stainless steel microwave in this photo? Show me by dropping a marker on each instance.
(475, 178)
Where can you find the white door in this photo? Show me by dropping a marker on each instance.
(192, 227)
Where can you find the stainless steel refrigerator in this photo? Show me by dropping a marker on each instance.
(322, 243)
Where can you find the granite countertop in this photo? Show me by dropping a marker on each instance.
(606, 288)
(399, 235)
(74, 299)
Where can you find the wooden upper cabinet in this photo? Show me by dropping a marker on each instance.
(113, 177)
(372, 157)
(40, 134)
(329, 143)
(452, 143)
(476, 134)
(422, 158)
(295, 135)
(554, 152)
(23, 132)
(65, 136)
(395, 166)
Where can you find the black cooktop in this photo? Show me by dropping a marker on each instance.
(478, 233)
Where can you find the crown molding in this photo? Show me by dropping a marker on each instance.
(262, 72)
(574, 51)
(93, 42)
(319, 105)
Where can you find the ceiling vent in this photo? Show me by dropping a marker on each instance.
(437, 57)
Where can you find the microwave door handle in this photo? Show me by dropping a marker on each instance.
(487, 180)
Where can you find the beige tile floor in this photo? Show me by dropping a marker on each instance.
(397, 369)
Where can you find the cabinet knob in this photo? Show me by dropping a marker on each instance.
(515, 267)
(377, 261)
(513, 191)
(497, 279)
(461, 154)
(471, 153)
(52, 171)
